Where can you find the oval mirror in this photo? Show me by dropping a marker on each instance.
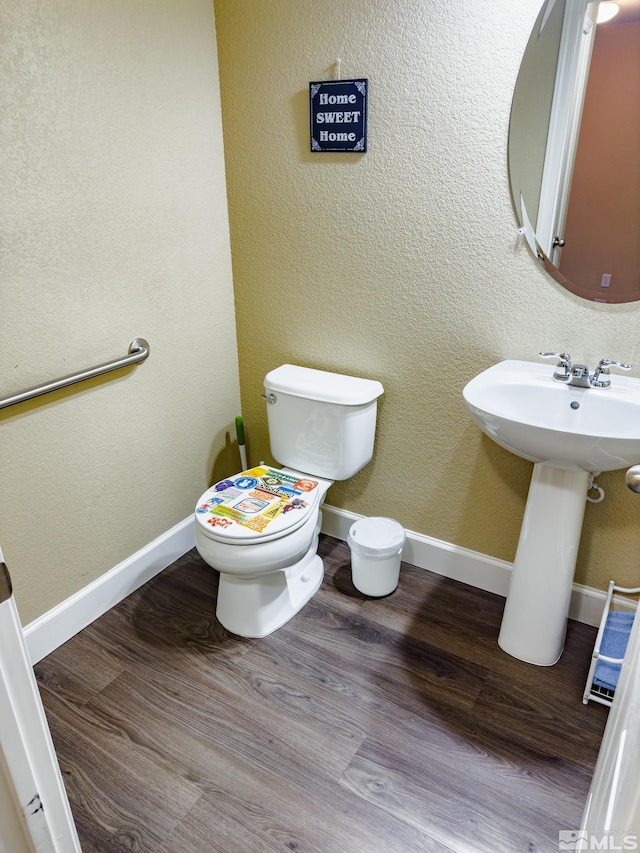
(574, 146)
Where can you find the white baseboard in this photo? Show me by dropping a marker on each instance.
(50, 631)
(58, 625)
(470, 567)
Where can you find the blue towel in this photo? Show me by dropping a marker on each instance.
(614, 644)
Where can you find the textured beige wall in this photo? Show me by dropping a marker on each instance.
(403, 264)
(113, 225)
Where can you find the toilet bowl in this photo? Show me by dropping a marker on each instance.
(260, 528)
(266, 575)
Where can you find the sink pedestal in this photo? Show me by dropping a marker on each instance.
(534, 623)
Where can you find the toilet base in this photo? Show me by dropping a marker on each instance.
(256, 607)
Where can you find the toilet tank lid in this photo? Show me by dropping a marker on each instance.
(322, 386)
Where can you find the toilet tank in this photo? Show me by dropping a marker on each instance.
(321, 423)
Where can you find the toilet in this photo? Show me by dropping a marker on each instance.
(260, 528)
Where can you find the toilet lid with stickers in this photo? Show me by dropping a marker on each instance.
(261, 503)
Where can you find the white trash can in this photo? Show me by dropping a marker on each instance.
(376, 550)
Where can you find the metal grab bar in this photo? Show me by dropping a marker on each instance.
(138, 351)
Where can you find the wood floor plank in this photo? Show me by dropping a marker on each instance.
(338, 582)
(237, 720)
(571, 734)
(80, 669)
(175, 613)
(133, 799)
(211, 827)
(491, 765)
(372, 651)
(259, 810)
(333, 679)
(362, 726)
(96, 838)
(273, 783)
(530, 795)
(427, 607)
(463, 826)
(471, 730)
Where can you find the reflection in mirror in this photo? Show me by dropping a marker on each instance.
(574, 147)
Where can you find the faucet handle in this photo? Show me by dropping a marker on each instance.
(606, 363)
(603, 369)
(564, 361)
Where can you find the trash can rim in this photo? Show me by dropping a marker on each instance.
(376, 537)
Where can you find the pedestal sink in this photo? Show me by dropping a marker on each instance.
(569, 433)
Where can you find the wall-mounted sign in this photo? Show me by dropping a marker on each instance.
(339, 115)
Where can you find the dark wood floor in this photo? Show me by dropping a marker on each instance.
(362, 726)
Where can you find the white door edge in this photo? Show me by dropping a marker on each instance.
(27, 750)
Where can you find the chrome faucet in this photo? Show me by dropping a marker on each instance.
(603, 370)
(578, 374)
(564, 362)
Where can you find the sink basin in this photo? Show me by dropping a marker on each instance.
(569, 433)
(521, 407)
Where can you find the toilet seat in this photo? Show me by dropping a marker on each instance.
(258, 505)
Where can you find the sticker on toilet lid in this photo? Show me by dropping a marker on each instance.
(229, 494)
(285, 485)
(245, 482)
(251, 505)
(261, 500)
(285, 492)
(223, 484)
(210, 504)
(270, 480)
